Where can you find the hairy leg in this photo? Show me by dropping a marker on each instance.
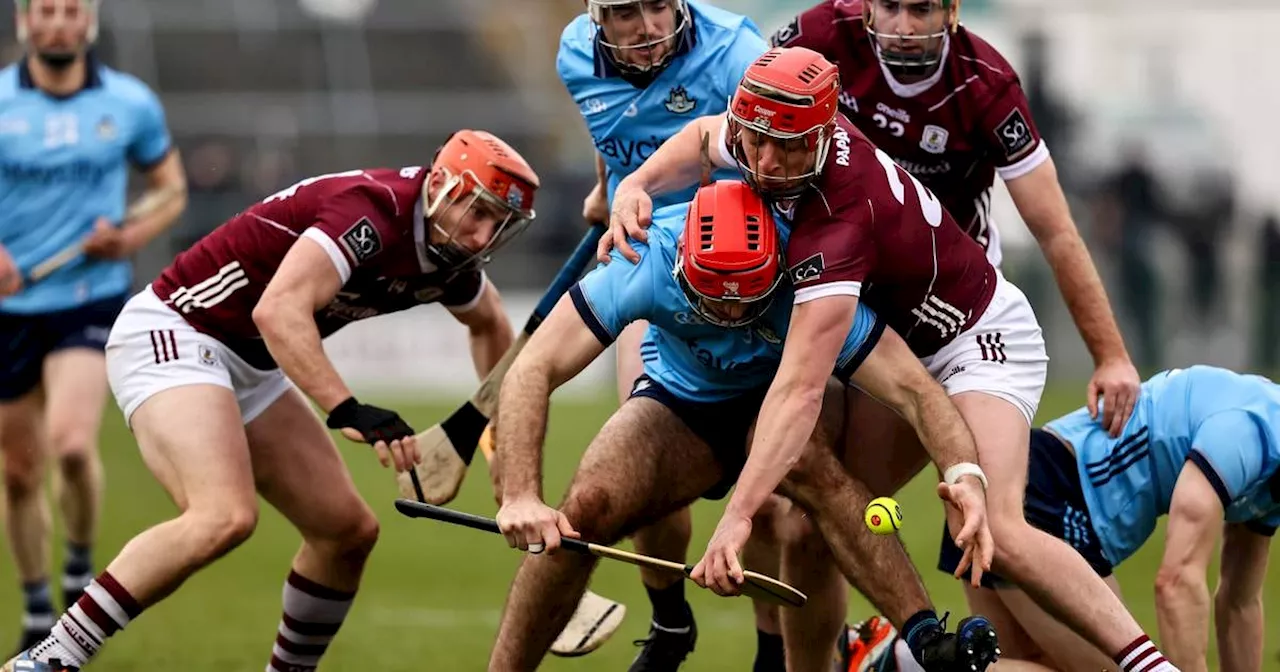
(75, 383)
(643, 465)
(25, 460)
(810, 632)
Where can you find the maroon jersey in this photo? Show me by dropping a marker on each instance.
(872, 230)
(368, 221)
(954, 131)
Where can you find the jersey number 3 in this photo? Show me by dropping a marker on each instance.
(929, 205)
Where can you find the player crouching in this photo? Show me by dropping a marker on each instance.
(711, 286)
(201, 363)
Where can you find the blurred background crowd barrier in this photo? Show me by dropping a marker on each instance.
(1161, 116)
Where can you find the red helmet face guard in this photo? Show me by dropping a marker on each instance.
(779, 137)
(491, 182)
(729, 263)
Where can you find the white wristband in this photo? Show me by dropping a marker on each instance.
(956, 471)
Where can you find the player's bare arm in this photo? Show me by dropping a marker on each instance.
(894, 376)
(786, 421)
(1182, 588)
(1040, 201)
(305, 282)
(489, 331)
(561, 348)
(675, 165)
(595, 207)
(1238, 613)
(154, 212)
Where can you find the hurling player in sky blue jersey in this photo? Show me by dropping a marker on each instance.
(70, 127)
(714, 293)
(1202, 448)
(638, 72)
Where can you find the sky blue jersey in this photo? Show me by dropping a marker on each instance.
(63, 164)
(694, 360)
(1223, 422)
(628, 123)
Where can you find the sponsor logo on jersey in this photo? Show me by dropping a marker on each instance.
(786, 33)
(892, 113)
(207, 355)
(1014, 134)
(924, 169)
(362, 240)
(809, 269)
(629, 152)
(679, 102)
(842, 146)
(593, 106)
(934, 139)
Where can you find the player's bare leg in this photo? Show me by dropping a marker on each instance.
(192, 439)
(643, 465)
(300, 472)
(75, 383)
(810, 632)
(763, 553)
(667, 538)
(27, 518)
(1042, 643)
(877, 566)
(1049, 570)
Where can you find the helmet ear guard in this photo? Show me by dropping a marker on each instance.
(729, 261)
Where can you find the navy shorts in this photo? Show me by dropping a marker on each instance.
(723, 425)
(1054, 503)
(25, 340)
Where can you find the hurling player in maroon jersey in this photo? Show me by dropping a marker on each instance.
(204, 364)
(947, 107)
(864, 228)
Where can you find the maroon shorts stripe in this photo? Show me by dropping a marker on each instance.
(155, 347)
(173, 341)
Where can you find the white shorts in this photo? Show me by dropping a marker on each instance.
(1002, 354)
(152, 349)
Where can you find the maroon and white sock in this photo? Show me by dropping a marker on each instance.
(103, 609)
(1142, 656)
(312, 616)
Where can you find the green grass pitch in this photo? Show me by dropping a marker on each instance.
(432, 593)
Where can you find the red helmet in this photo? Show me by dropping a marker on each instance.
(479, 167)
(790, 95)
(729, 261)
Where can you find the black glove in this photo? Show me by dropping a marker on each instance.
(374, 424)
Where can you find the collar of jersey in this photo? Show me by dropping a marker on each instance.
(92, 79)
(917, 88)
(604, 67)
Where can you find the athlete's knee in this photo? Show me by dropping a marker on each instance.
(592, 509)
(217, 530)
(357, 537)
(76, 453)
(22, 475)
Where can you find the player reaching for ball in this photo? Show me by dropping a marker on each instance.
(863, 229)
(712, 288)
(205, 360)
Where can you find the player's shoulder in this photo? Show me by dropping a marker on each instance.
(9, 81)
(850, 155)
(126, 89)
(819, 26)
(575, 58)
(717, 25)
(977, 62)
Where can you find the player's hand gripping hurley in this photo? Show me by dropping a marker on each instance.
(446, 449)
(756, 586)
